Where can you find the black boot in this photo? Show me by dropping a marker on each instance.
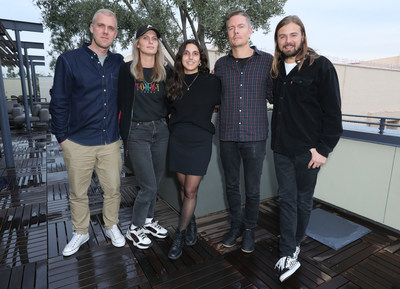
(235, 232)
(248, 241)
(176, 250)
(191, 232)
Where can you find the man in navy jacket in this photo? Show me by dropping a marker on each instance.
(85, 122)
(306, 126)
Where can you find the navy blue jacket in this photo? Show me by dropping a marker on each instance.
(83, 104)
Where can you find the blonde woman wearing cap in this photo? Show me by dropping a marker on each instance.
(143, 128)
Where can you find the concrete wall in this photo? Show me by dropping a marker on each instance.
(363, 178)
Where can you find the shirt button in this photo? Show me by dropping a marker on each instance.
(105, 103)
(240, 122)
(241, 73)
(104, 117)
(241, 84)
(103, 76)
(240, 97)
(240, 110)
(105, 90)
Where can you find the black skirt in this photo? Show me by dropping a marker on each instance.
(190, 149)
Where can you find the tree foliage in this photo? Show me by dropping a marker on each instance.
(177, 20)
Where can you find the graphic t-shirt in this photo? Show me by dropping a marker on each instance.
(150, 103)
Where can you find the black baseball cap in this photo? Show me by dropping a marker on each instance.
(143, 29)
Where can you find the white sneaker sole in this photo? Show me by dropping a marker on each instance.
(289, 273)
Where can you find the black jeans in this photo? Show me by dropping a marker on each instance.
(252, 154)
(296, 190)
(148, 142)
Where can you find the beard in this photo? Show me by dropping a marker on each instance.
(287, 54)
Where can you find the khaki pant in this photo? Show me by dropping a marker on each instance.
(80, 161)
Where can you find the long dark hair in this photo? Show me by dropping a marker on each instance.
(305, 51)
(175, 83)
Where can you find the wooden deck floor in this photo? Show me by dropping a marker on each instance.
(35, 226)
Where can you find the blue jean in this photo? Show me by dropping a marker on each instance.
(147, 144)
(252, 154)
(296, 190)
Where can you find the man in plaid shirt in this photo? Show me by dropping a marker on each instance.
(243, 125)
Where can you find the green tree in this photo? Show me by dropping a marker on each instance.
(177, 20)
(10, 72)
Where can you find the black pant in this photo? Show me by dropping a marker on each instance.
(252, 154)
(296, 190)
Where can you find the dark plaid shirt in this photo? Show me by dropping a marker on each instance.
(246, 86)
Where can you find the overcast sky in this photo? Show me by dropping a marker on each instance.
(343, 29)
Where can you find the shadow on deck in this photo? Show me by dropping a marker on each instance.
(35, 226)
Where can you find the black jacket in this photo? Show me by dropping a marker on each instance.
(126, 88)
(307, 110)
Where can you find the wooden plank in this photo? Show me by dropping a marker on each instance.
(335, 282)
(349, 285)
(52, 241)
(28, 280)
(5, 278)
(16, 277)
(372, 273)
(186, 276)
(358, 280)
(384, 269)
(355, 259)
(249, 267)
(61, 237)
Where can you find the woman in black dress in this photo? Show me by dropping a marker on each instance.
(193, 93)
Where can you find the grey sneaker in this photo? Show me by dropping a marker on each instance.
(286, 266)
(75, 243)
(116, 237)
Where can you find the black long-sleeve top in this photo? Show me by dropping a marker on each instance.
(197, 105)
(307, 110)
(129, 90)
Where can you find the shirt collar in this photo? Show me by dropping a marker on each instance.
(256, 51)
(86, 48)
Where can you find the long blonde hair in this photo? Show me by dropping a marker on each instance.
(159, 73)
(304, 53)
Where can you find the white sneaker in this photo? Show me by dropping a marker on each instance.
(155, 229)
(75, 243)
(296, 253)
(116, 237)
(139, 238)
(286, 266)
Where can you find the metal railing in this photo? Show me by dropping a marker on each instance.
(382, 121)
